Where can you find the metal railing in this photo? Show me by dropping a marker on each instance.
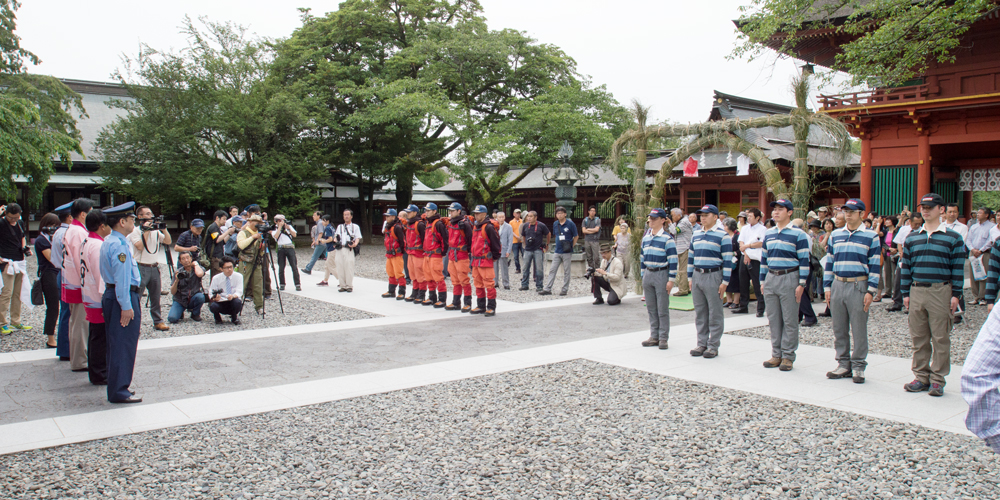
(874, 97)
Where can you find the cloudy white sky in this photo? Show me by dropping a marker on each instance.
(670, 54)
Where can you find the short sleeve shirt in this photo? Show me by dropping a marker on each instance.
(44, 265)
(189, 239)
(564, 233)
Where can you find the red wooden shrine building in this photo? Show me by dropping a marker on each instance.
(941, 134)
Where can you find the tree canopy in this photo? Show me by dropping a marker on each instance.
(891, 41)
(208, 125)
(36, 115)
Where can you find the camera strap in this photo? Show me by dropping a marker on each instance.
(142, 235)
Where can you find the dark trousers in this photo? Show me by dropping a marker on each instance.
(406, 268)
(287, 255)
(750, 274)
(62, 335)
(122, 344)
(97, 353)
(805, 305)
(897, 291)
(266, 266)
(50, 289)
(515, 251)
(230, 307)
(598, 283)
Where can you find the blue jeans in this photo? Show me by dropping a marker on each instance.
(538, 258)
(318, 252)
(62, 331)
(515, 255)
(194, 305)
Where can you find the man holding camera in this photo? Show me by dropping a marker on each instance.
(214, 241)
(350, 237)
(186, 289)
(146, 239)
(13, 248)
(227, 292)
(252, 269)
(283, 234)
(79, 330)
(536, 238)
(188, 240)
(608, 276)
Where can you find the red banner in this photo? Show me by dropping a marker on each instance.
(690, 167)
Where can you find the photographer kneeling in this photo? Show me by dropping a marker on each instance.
(227, 292)
(609, 276)
(186, 289)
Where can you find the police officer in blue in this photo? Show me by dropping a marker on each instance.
(120, 303)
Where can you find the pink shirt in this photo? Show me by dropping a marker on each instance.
(72, 244)
(92, 286)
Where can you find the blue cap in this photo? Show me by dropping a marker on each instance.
(412, 208)
(455, 206)
(854, 204)
(391, 211)
(237, 219)
(658, 212)
(63, 208)
(782, 203)
(197, 223)
(708, 209)
(120, 209)
(431, 206)
(480, 209)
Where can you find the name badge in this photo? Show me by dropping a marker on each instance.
(562, 237)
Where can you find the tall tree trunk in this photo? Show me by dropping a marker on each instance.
(404, 187)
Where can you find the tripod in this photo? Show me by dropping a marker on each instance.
(263, 258)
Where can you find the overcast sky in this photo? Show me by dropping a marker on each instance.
(669, 54)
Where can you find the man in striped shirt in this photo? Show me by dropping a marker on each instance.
(658, 266)
(709, 273)
(931, 282)
(992, 275)
(784, 270)
(850, 281)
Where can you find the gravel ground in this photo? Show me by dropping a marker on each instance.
(578, 429)
(888, 332)
(371, 264)
(298, 311)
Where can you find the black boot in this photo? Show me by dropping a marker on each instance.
(480, 306)
(421, 295)
(456, 303)
(401, 292)
(391, 293)
(442, 299)
(468, 304)
(413, 294)
(431, 298)
(491, 307)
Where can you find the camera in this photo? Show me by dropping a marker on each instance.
(337, 245)
(265, 227)
(49, 230)
(183, 275)
(529, 241)
(154, 224)
(216, 293)
(589, 273)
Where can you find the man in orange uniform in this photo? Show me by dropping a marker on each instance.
(415, 253)
(459, 241)
(435, 250)
(395, 238)
(485, 249)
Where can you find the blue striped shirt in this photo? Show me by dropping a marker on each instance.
(993, 273)
(659, 251)
(713, 248)
(934, 257)
(853, 254)
(785, 249)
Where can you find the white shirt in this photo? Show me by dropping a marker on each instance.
(281, 238)
(994, 233)
(348, 232)
(153, 240)
(957, 226)
(752, 234)
(901, 234)
(219, 283)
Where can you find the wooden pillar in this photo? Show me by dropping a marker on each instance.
(967, 203)
(923, 164)
(867, 176)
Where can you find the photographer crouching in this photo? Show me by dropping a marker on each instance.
(227, 292)
(186, 289)
(609, 276)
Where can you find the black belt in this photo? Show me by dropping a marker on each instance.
(706, 271)
(923, 284)
(652, 270)
(149, 265)
(131, 288)
(782, 272)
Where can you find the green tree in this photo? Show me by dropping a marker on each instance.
(889, 41)
(208, 126)
(36, 115)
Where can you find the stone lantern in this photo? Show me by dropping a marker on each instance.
(565, 178)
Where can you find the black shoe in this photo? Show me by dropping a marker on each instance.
(298, 288)
(563, 294)
(63, 358)
(544, 292)
(305, 271)
(524, 288)
(760, 315)
(281, 287)
(740, 310)
(598, 302)
(809, 323)
(131, 399)
(236, 320)
(958, 319)
(824, 314)
(894, 308)
(196, 318)
(218, 320)
(506, 288)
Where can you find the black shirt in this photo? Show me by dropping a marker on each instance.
(11, 239)
(187, 287)
(214, 249)
(533, 235)
(44, 265)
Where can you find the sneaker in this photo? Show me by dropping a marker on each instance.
(281, 288)
(544, 292)
(563, 293)
(772, 363)
(196, 318)
(6, 330)
(709, 354)
(698, 351)
(523, 288)
(322, 283)
(840, 372)
(786, 365)
(650, 342)
(20, 326)
(306, 271)
(663, 344)
(937, 390)
(859, 376)
(916, 386)
(298, 288)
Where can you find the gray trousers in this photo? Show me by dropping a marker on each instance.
(149, 279)
(782, 313)
(708, 317)
(654, 287)
(847, 306)
(592, 252)
(501, 267)
(559, 259)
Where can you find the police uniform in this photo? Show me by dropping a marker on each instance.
(121, 293)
